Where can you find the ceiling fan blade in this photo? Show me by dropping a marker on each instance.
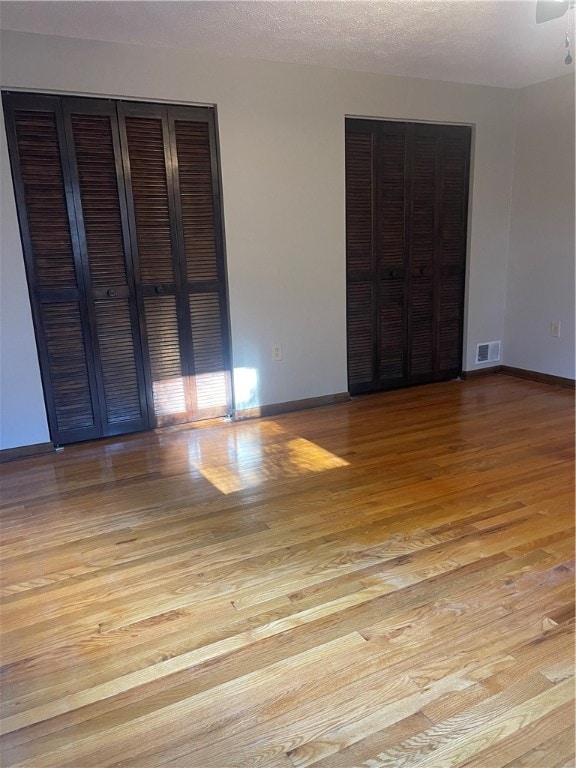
(546, 10)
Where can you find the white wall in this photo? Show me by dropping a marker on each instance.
(541, 259)
(282, 148)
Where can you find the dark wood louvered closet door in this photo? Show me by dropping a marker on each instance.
(390, 233)
(422, 216)
(406, 205)
(104, 242)
(172, 186)
(451, 258)
(119, 208)
(193, 146)
(360, 258)
(38, 151)
(149, 184)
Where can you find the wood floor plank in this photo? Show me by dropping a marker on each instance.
(455, 741)
(557, 751)
(386, 582)
(527, 740)
(386, 697)
(363, 750)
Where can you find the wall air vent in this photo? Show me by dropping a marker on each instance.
(488, 352)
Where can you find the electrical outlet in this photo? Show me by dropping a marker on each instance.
(555, 329)
(277, 352)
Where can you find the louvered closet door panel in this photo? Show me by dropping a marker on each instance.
(197, 203)
(422, 330)
(453, 204)
(360, 157)
(449, 327)
(361, 336)
(196, 200)
(45, 195)
(391, 196)
(157, 260)
(68, 367)
(99, 197)
(118, 356)
(423, 231)
(424, 178)
(454, 158)
(391, 249)
(168, 384)
(392, 311)
(149, 185)
(361, 267)
(105, 247)
(210, 367)
(42, 184)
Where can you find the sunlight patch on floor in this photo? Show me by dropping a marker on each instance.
(256, 453)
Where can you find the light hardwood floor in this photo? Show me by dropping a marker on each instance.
(382, 583)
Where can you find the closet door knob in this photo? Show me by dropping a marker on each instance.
(111, 292)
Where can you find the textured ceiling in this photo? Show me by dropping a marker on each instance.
(487, 42)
